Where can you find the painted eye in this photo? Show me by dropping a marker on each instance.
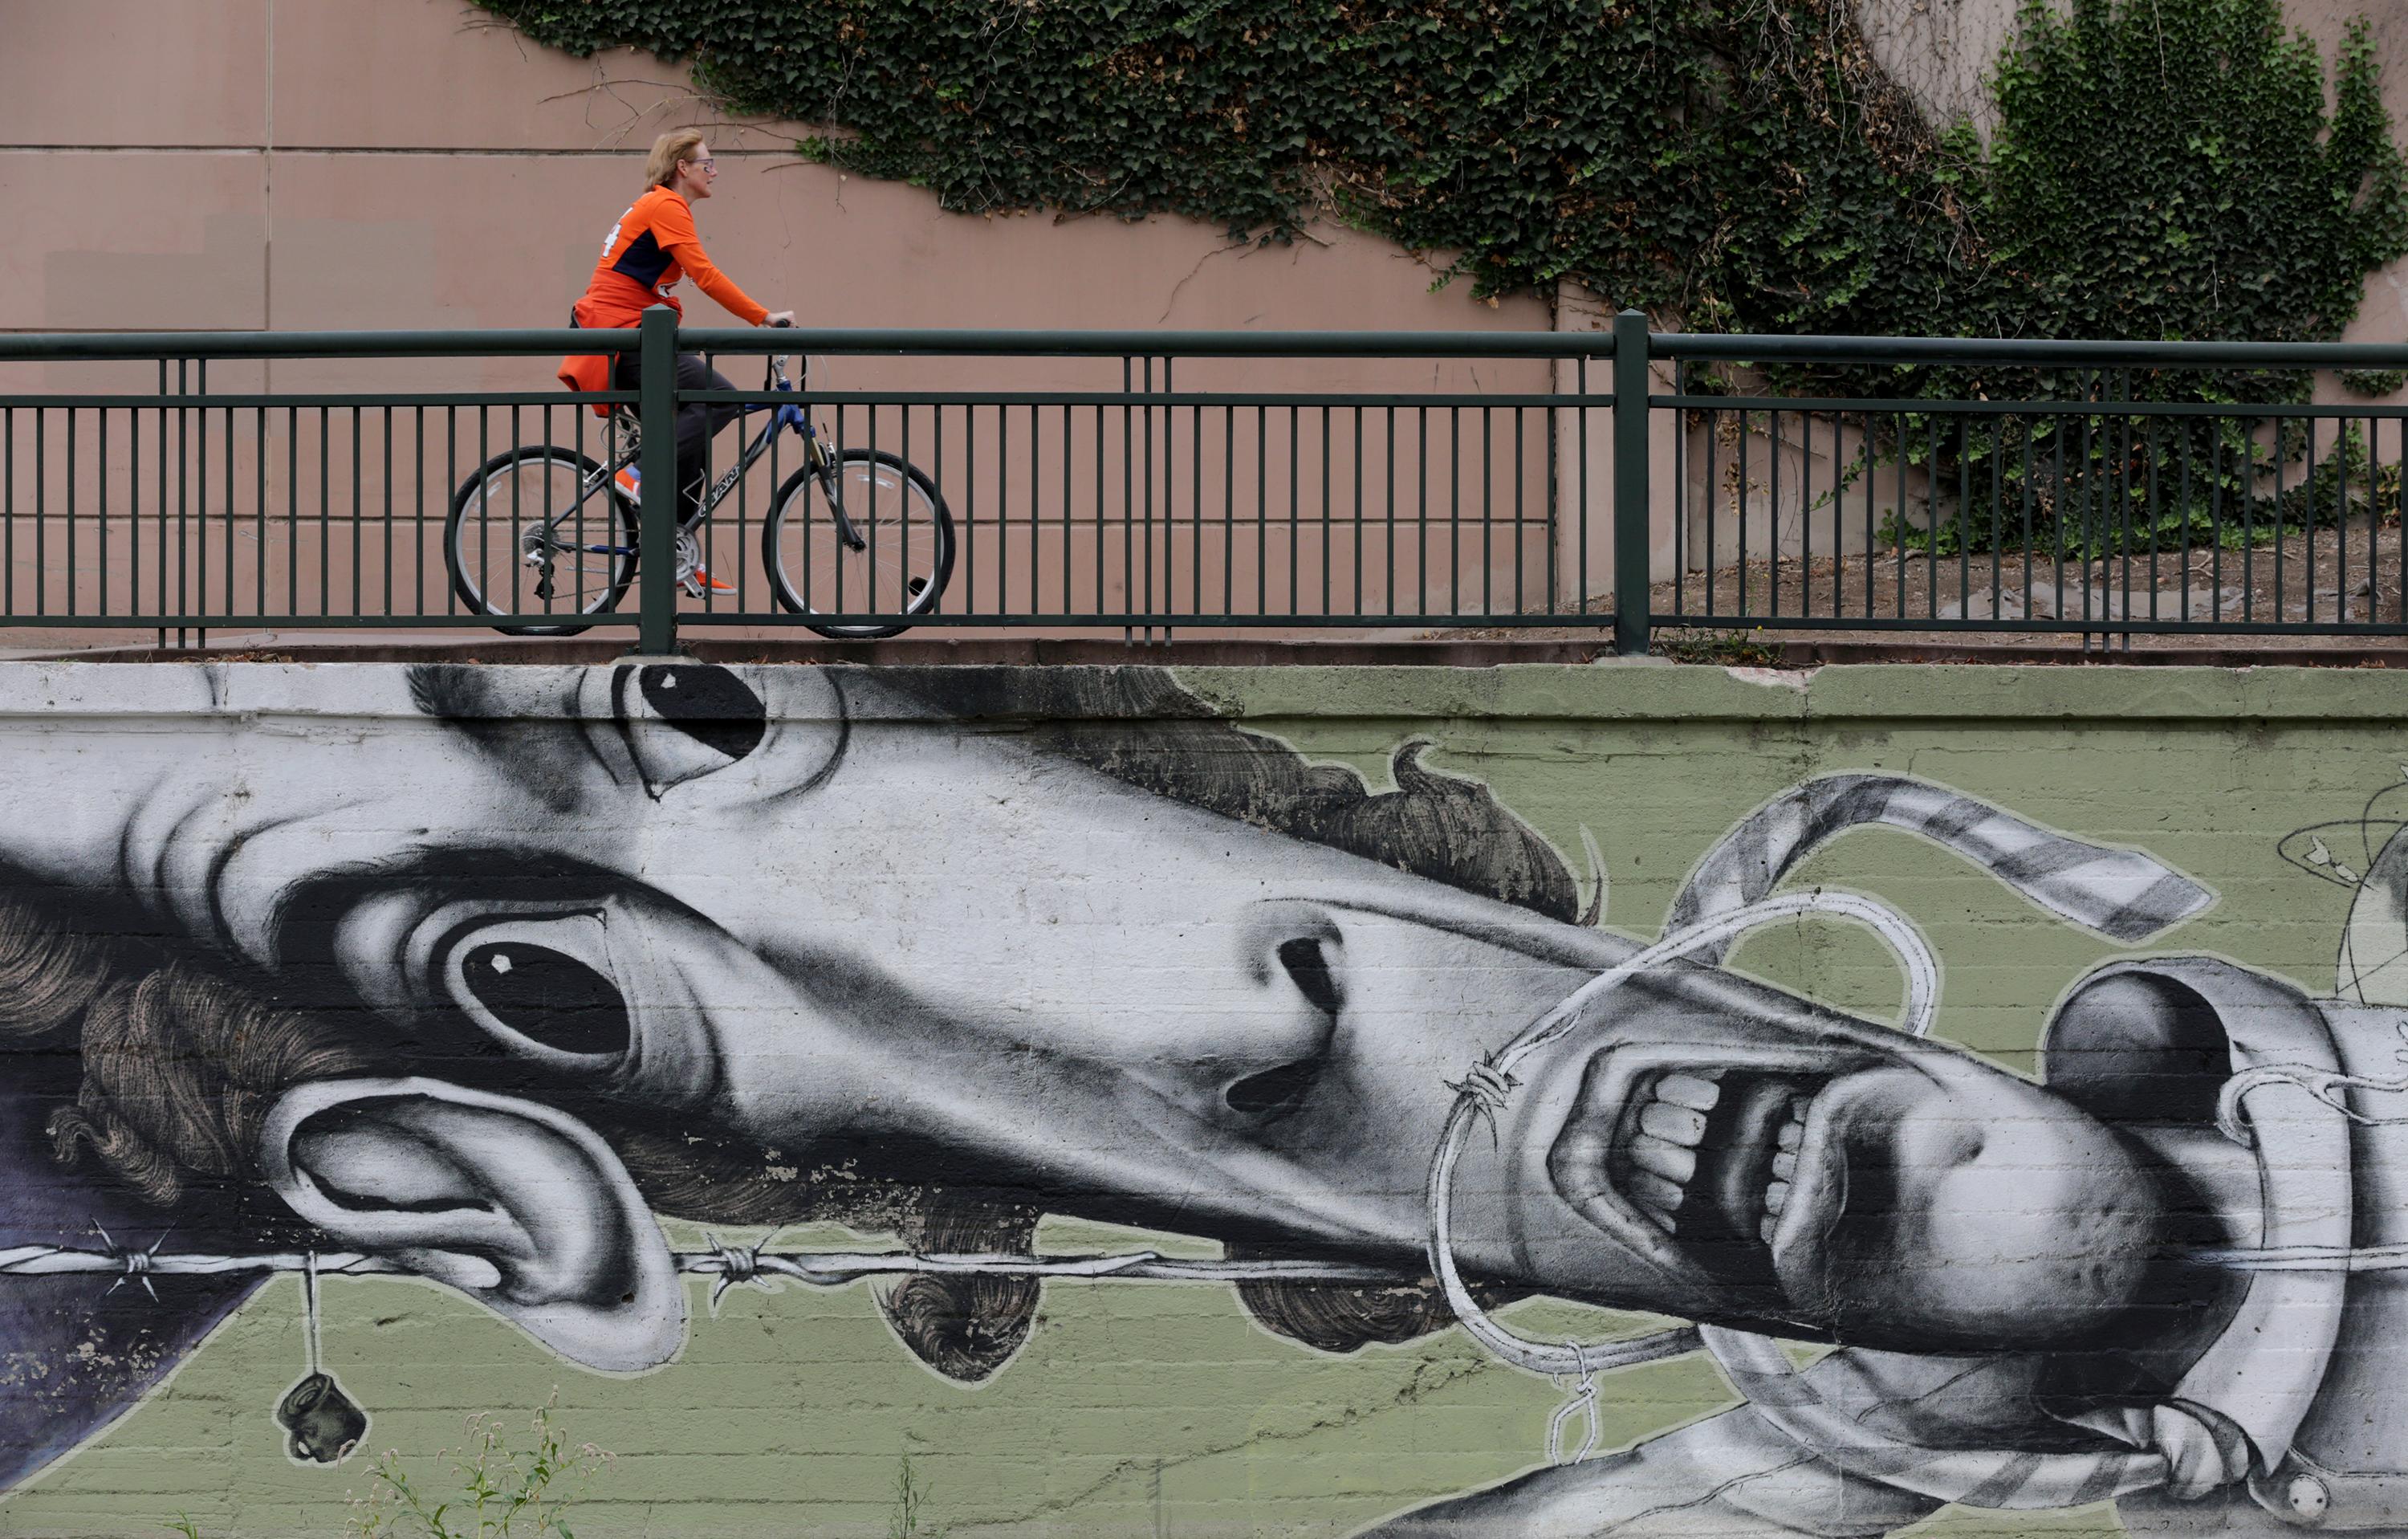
(545, 984)
(685, 720)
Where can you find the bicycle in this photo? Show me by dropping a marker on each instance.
(852, 531)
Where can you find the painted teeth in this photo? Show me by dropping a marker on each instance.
(1665, 1148)
(1784, 1171)
(1699, 1095)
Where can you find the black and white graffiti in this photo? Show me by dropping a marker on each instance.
(469, 973)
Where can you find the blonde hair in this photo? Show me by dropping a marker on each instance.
(668, 151)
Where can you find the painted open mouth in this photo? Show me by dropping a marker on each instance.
(1710, 1156)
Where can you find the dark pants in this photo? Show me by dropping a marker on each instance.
(696, 424)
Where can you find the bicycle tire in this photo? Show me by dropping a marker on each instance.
(915, 540)
(494, 523)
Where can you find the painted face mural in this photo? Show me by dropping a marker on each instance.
(478, 1000)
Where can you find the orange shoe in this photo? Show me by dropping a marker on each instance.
(702, 576)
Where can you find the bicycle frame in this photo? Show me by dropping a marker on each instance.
(537, 546)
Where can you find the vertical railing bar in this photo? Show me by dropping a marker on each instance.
(518, 521)
(1068, 581)
(72, 414)
(2374, 578)
(183, 496)
(1388, 553)
(42, 503)
(1454, 508)
(2279, 491)
(1228, 509)
(657, 513)
(1680, 492)
(1554, 420)
(1713, 506)
(133, 518)
(198, 420)
(1997, 496)
(2088, 537)
(1580, 382)
(1772, 511)
(2186, 437)
(451, 478)
(1633, 416)
(1128, 495)
(1421, 510)
(325, 509)
(2057, 539)
(1872, 494)
(2024, 501)
(102, 537)
(2249, 512)
(1326, 560)
(1964, 500)
(2152, 512)
(1195, 499)
(1903, 427)
(1489, 497)
(258, 523)
(1744, 479)
(2216, 519)
(232, 555)
(385, 537)
(2313, 485)
(2374, 516)
(1805, 513)
(1295, 515)
(1521, 506)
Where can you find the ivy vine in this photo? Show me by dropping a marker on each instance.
(2161, 168)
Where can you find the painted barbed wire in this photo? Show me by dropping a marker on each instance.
(731, 1264)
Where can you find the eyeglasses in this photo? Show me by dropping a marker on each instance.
(708, 167)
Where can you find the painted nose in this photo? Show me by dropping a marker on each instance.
(1281, 1017)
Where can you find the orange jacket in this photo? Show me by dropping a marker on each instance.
(644, 256)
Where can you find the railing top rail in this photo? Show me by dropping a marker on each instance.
(1139, 344)
(61, 347)
(2028, 352)
(99, 346)
(67, 346)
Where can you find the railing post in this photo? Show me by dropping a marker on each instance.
(1630, 490)
(656, 405)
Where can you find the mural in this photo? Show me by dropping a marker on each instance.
(942, 952)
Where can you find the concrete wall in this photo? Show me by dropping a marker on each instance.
(524, 1007)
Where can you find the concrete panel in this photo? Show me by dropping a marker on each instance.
(449, 75)
(133, 241)
(133, 72)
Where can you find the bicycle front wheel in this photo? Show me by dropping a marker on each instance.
(896, 561)
(519, 540)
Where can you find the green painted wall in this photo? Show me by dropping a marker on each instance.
(1162, 1409)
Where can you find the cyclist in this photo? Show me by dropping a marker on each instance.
(651, 247)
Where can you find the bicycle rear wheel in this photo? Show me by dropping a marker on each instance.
(900, 565)
(504, 512)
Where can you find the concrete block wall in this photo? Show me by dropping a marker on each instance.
(521, 1008)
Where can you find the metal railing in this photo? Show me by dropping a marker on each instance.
(1277, 483)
